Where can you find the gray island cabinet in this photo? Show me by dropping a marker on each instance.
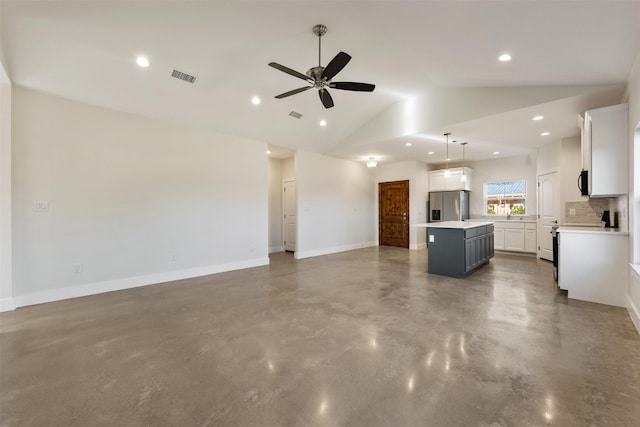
(455, 248)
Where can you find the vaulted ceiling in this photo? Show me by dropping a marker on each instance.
(434, 65)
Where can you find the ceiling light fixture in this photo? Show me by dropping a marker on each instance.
(504, 57)
(545, 133)
(372, 162)
(430, 153)
(447, 172)
(323, 123)
(495, 153)
(408, 144)
(536, 118)
(268, 151)
(463, 177)
(255, 100)
(142, 62)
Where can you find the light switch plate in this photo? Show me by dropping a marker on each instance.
(41, 206)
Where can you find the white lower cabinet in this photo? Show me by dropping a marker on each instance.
(515, 236)
(498, 236)
(592, 266)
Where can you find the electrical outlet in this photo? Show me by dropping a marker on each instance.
(173, 258)
(432, 238)
(572, 212)
(76, 268)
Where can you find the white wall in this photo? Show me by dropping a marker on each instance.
(133, 200)
(632, 96)
(288, 168)
(335, 205)
(6, 271)
(275, 206)
(418, 176)
(565, 157)
(508, 168)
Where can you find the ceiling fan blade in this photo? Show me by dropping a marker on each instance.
(326, 99)
(335, 65)
(293, 92)
(360, 87)
(289, 71)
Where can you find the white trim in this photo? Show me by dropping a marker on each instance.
(634, 313)
(131, 282)
(333, 250)
(273, 249)
(418, 246)
(7, 304)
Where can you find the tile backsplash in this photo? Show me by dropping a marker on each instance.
(588, 212)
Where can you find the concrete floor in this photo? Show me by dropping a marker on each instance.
(361, 338)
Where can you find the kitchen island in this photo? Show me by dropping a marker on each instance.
(456, 248)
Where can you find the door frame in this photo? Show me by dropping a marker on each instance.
(538, 198)
(284, 213)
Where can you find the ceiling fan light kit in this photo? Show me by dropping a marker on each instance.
(320, 77)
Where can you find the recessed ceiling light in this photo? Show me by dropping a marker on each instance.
(495, 153)
(408, 144)
(268, 151)
(430, 153)
(545, 133)
(323, 122)
(504, 57)
(142, 61)
(255, 100)
(536, 118)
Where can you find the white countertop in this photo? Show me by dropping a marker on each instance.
(460, 225)
(592, 230)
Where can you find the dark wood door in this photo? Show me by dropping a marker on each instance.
(393, 213)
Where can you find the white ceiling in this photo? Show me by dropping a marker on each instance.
(85, 50)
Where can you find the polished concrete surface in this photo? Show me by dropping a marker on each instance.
(361, 338)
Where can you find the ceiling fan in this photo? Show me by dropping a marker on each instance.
(320, 77)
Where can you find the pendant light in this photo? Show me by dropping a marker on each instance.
(463, 177)
(447, 172)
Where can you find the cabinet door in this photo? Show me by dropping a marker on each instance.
(454, 181)
(608, 136)
(469, 253)
(514, 240)
(498, 239)
(530, 244)
(437, 181)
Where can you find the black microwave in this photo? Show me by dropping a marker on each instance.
(583, 183)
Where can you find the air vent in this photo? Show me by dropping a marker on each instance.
(183, 76)
(295, 114)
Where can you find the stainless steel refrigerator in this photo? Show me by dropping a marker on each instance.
(448, 206)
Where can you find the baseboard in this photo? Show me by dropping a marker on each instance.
(634, 283)
(634, 313)
(41, 297)
(273, 249)
(417, 247)
(7, 304)
(333, 250)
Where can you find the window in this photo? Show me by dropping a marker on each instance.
(505, 197)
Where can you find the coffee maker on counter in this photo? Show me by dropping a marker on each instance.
(606, 218)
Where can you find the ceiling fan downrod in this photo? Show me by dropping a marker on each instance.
(319, 30)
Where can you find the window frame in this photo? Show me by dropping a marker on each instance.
(485, 197)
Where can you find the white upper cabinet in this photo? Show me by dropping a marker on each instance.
(439, 182)
(605, 150)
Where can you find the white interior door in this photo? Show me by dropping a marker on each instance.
(548, 212)
(289, 209)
